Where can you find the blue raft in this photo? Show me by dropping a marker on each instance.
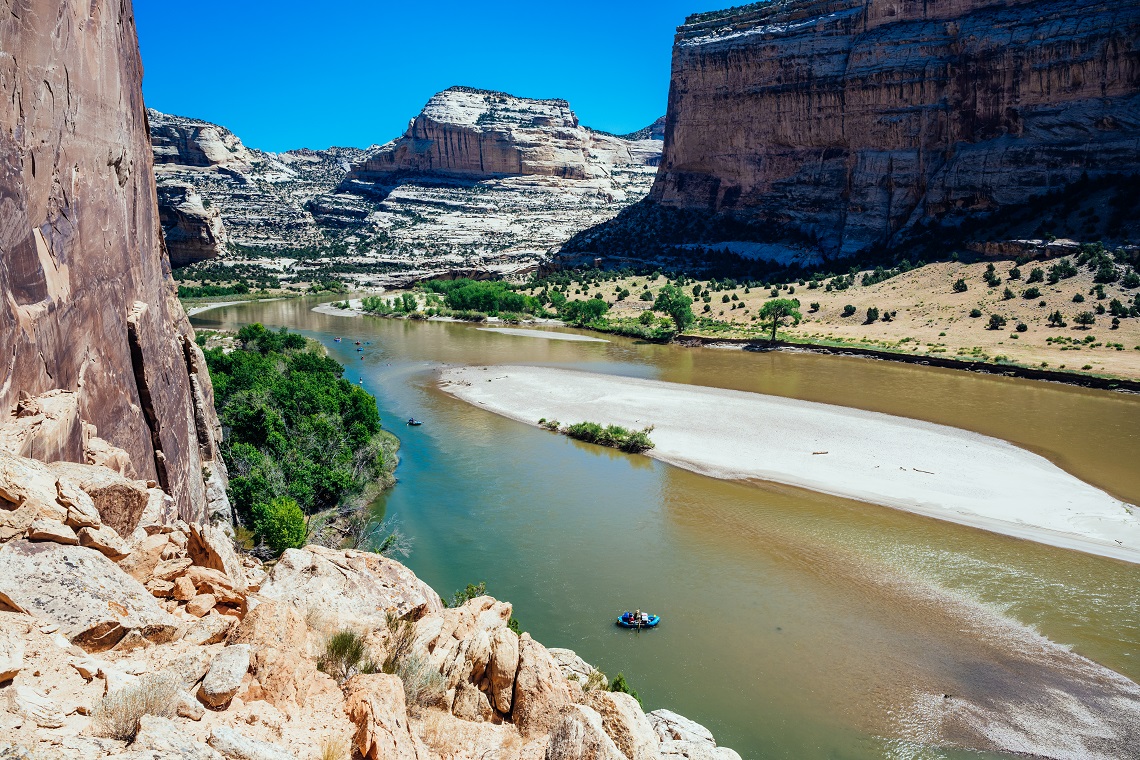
(630, 620)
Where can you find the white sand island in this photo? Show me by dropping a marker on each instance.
(934, 470)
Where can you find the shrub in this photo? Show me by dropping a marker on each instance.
(619, 684)
(960, 286)
(424, 686)
(997, 322)
(1031, 293)
(848, 310)
(345, 654)
(614, 436)
(975, 313)
(1085, 319)
(1015, 274)
(118, 714)
(1056, 320)
(472, 591)
(1078, 298)
(814, 306)
(872, 315)
(281, 523)
(646, 296)
(1022, 327)
(1007, 295)
(1131, 280)
(646, 318)
(1037, 274)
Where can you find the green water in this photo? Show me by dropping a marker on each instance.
(795, 625)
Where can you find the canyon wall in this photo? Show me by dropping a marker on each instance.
(477, 133)
(851, 122)
(87, 299)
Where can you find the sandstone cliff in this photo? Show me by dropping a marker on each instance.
(481, 134)
(258, 198)
(88, 306)
(852, 122)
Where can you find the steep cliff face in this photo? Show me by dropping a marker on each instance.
(851, 121)
(192, 229)
(476, 133)
(87, 304)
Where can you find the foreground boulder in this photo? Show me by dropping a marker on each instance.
(625, 723)
(541, 692)
(232, 744)
(349, 585)
(225, 675)
(120, 501)
(376, 705)
(684, 739)
(276, 634)
(94, 602)
(578, 735)
(459, 642)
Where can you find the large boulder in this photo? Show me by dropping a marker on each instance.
(625, 723)
(503, 667)
(351, 586)
(575, 668)
(684, 739)
(541, 691)
(225, 675)
(94, 602)
(376, 705)
(120, 501)
(212, 547)
(27, 493)
(458, 642)
(577, 734)
(471, 704)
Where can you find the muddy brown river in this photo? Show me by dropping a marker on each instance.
(794, 624)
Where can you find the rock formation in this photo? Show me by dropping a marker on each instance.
(95, 650)
(193, 231)
(463, 132)
(258, 198)
(87, 301)
(854, 123)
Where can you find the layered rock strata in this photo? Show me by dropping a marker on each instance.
(88, 305)
(852, 122)
(193, 231)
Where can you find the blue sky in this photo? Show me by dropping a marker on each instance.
(288, 74)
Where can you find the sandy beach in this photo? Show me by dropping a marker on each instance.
(934, 470)
(542, 334)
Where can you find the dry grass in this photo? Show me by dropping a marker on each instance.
(335, 748)
(118, 714)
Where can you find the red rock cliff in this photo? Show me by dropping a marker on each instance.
(86, 298)
(852, 120)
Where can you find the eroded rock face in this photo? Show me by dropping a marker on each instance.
(482, 134)
(87, 303)
(376, 705)
(541, 691)
(852, 121)
(193, 231)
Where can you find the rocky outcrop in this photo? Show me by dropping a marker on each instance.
(87, 302)
(193, 231)
(463, 132)
(851, 124)
(213, 189)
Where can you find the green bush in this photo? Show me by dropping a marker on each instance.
(1031, 293)
(997, 322)
(613, 436)
(1037, 274)
(975, 313)
(872, 315)
(960, 286)
(345, 654)
(619, 684)
(281, 523)
(848, 310)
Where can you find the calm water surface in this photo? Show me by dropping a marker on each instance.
(796, 625)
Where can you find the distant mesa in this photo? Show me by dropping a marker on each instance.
(480, 134)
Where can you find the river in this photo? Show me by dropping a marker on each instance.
(795, 625)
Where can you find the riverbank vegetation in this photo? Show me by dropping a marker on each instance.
(613, 436)
(299, 438)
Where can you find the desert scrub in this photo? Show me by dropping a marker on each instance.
(118, 714)
(614, 436)
(424, 686)
(345, 655)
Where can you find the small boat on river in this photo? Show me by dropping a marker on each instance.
(638, 620)
(413, 422)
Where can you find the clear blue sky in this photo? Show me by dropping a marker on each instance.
(290, 74)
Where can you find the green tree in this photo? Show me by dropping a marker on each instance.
(1085, 319)
(281, 523)
(678, 306)
(778, 310)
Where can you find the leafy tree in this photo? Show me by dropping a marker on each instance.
(1036, 274)
(1085, 319)
(872, 315)
(281, 523)
(779, 310)
(583, 312)
(678, 306)
(960, 286)
(1056, 319)
(997, 322)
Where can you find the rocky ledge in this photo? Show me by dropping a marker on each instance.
(850, 124)
(129, 633)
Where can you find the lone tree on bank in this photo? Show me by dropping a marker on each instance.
(779, 310)
(671, 300)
